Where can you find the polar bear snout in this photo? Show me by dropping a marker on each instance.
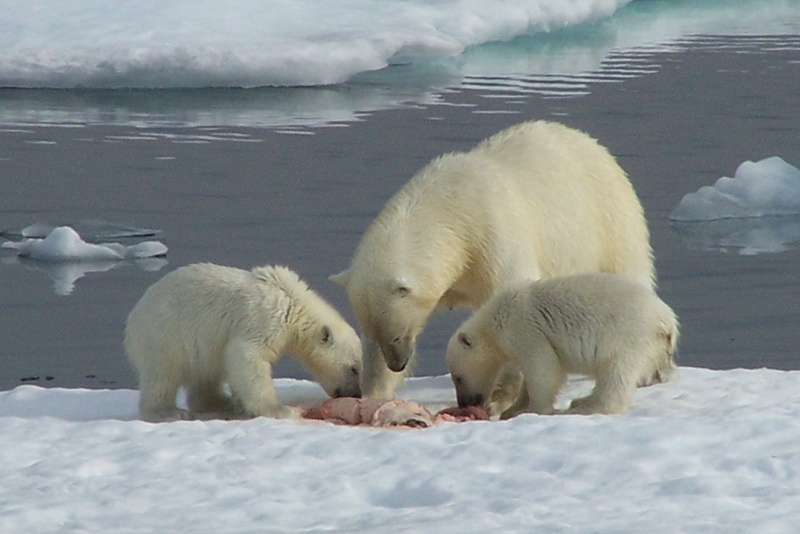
(397, 352)
(466, 396)
(347, 391)
(347, 381)
(466, 399)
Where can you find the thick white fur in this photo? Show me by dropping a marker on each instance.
(534, 201)
(608, 327)
(203, 326)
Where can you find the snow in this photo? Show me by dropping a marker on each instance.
(756, 211)
(712, 451)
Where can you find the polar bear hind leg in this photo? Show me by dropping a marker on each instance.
(207, 397)
(157, 400)
(613, 391)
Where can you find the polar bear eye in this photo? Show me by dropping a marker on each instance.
(465, 340)
(402, 291)
(327, 335)
(354, 371)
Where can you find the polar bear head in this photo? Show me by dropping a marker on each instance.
(332, 351)
(475, 359)
(392, 311)
(318, 335)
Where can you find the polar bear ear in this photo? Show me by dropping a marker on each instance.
(343, 278)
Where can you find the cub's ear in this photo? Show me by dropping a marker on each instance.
(326, 335)
(343, 278)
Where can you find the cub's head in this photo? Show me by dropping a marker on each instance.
(332, 351)
(318, 334)
(474, 362)
(391, 312)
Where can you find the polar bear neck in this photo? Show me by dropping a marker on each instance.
(431, 251)
(297, 293)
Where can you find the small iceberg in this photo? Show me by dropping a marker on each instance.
(63, 243)
(63, 255)
(757, 211)
(766, 188)
(92, 230)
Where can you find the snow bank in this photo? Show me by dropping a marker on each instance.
(208, 43)
(711, 452)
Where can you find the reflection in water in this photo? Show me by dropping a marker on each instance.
(747, 236)
(65, 274)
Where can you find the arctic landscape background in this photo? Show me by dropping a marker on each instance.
(273, 132)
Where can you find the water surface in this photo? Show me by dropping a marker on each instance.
(246, 195)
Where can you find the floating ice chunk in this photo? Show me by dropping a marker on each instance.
(770, 187)
(92, 230)
(65, 244)
(146, 249)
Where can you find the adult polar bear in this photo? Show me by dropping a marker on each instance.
(537, 200)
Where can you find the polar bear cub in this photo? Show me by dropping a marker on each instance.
(606, 326)
(203, 326)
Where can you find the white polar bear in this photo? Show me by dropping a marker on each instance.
(534, 201)
(606, 326)
(203, 325)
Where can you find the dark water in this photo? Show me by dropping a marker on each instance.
(249, 196)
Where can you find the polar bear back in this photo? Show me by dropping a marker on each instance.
(587, 319)
(564, 192)
(191, 312)
(534, 201)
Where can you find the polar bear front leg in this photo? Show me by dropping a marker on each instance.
(544, 377)
(248, 367)
(507, 392)
(519, 406)
(377, 380)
